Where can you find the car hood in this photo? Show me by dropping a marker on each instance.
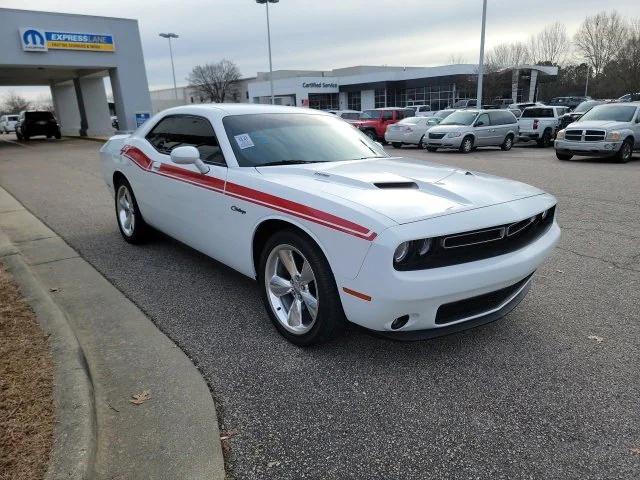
(448, 128)
(402, 189)
(601, 124)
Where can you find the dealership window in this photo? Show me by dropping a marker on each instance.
(354, 101)
(380, 97)
(324, 101)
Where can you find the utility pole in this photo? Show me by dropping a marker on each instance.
(169, 36)
(481, 62)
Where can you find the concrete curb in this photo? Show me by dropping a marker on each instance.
(75, 428)
(172, 435)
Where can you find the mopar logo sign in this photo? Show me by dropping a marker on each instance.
(33, 40)
(39, 40)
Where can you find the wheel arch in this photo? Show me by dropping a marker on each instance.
(118, 176)
(271, 225)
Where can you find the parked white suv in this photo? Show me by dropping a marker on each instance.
(8, 123)
(465, 130)
(540, 124)
(609, 130)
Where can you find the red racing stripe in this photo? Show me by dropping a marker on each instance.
(248, 194)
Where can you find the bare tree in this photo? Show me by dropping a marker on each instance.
(507, 55)
(14, 103)
(457, 59)
(600, 38)
(215, 81)
(552, 45)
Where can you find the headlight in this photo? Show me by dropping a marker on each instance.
(453, 134)
(413, 249)
(560, 134)
(613, 136)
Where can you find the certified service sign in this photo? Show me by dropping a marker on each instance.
(39, 40)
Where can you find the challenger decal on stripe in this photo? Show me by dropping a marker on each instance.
(248, 194)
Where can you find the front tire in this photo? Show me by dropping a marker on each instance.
(432, 149)
(563, 156)
(396, 144)
(507, 144)
(467, 145)
(371, 134)
(130, 222)
(298, 289)
(625, 153)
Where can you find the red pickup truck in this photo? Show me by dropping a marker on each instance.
(374, 123)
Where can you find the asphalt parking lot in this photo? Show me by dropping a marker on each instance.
(550, 392)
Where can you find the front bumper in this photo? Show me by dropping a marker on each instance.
(445, 142)
(590, 149)
(421, 293)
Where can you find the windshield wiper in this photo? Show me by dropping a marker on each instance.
(287, 162)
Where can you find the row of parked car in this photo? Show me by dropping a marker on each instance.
(593, 127)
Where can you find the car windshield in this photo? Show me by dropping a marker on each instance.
(585, 106)
(369, 114)
(532, 112)
(460, 118)
(615, 113)
(37, 116)
(442, 114)
(290, 138)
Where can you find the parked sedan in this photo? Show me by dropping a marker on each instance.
(410, 131)
(328, 224)
(466, 130)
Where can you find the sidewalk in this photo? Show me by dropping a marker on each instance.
(119, 352)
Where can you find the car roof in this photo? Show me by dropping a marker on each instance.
(243, 109)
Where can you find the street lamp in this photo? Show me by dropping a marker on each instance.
(267, 2)
(169, 36)
(481, 62)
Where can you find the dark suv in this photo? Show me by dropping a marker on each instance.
(35, 122)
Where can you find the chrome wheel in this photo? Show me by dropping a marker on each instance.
(291, 289)
(467, 145)
(126, 212)
(626, 151)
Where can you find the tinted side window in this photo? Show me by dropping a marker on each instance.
(186, 130)
(484, 118)
(496, 118)
(387, 115)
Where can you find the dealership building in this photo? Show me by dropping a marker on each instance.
(74, 55)
(364, 87)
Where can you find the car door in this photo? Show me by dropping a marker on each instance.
(499, 127)
(187, 204)
(482, 129)
(635, 125)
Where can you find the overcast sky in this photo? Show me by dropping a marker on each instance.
(324, 34)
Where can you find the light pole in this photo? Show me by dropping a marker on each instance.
(481, 62)
(169, 36)
(586, 85)
(267, 2)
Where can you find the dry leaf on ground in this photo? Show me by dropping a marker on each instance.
(140, 398)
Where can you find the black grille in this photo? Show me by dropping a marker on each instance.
(449, 250)
(469, 307)
(575, 135)
(436, 136)
(594, 135)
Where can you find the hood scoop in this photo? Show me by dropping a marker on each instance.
(396, 185)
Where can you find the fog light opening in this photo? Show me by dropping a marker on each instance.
(399, 322)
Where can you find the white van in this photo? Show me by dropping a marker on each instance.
(8, 123)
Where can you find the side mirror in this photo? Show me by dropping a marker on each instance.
(188, 156)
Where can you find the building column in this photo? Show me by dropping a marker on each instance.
(342, 100)
(368, 99)
(96, 107)
(84, 125)
(130, 94)
(66, 105)
(515, 76)
(532, 85)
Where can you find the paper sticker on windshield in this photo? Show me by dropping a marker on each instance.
(244, 141)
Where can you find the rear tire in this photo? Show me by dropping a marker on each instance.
(467, 144)
(371, 134)
(432, 149)
(279, 302)
(58, 135)
(396, 144)
(130, 222)
(508, 143)
(625, 153)
(563, 156)
(545, 141)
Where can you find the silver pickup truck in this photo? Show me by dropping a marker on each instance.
(610, 130)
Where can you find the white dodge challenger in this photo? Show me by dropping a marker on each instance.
(329, 224)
